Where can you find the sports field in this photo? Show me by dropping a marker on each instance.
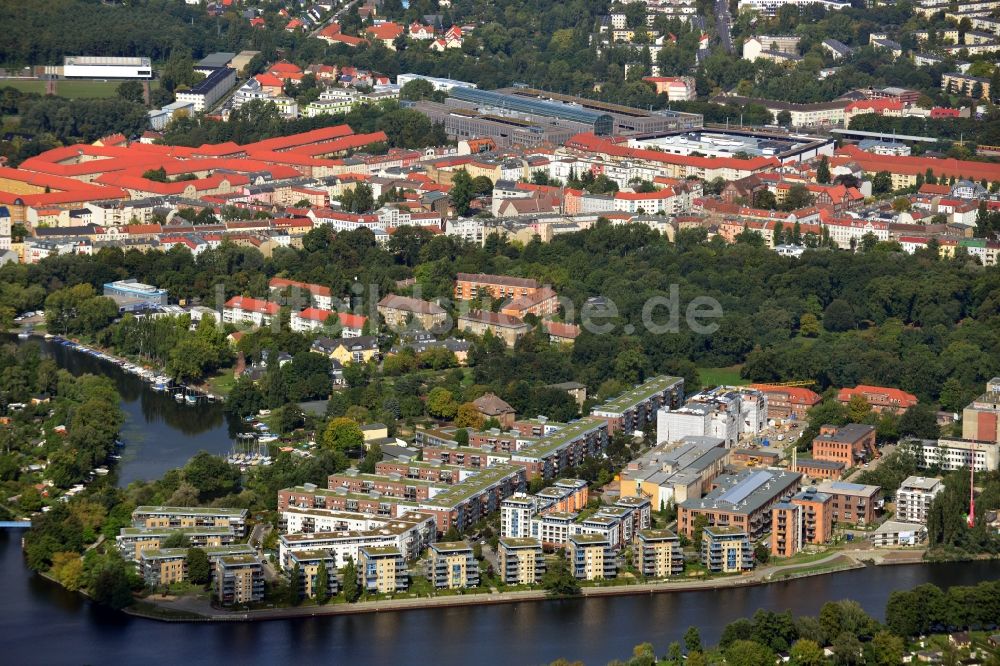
(72, 89)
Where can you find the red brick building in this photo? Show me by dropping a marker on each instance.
(848, 444)
(788, 402)
(881, 399)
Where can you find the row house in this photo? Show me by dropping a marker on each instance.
(252, 311)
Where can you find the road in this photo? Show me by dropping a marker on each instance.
(722, 23)
(884, 451)
(333, 17)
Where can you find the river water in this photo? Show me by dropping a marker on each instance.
(159, 433)
(41, 623)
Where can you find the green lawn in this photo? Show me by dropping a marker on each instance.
(222, 382)
(719, 376)
(72, 89)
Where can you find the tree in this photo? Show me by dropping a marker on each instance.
(198, 566)
(805, 652)
(798, 197)
(321, 587)
(823, 170)
(416, 90)
(350, 577)
(559, 580)
(847, 649)
(468, 416)
(784, 118)
(882, 182)
(441, 403)
(919, 421)
(809, 325)
(749, 653)
(839, 316)
(761, 553)
(211, 475)
(372, 457)
(692, 640)
(130, 91)
(462, 191)
(343, 434)
(858, 409)
(111, 586)
(886, 649)
(765, 199)
(294, 582)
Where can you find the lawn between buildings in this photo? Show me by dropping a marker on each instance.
(729, 376)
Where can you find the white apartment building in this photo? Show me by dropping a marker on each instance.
(913, 499)
(515, 516)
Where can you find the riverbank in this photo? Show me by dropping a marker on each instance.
(187, 609)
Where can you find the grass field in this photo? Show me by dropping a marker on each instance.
(719, 376)
(71, 89)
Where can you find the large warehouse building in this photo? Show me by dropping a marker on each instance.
(528, 117)
(101, 67)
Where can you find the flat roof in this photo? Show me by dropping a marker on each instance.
(657, 535)
(745, 492)
(585, 539)
(155, 531)
(451, 547)
(382, 550)
(558, 439)
(920, 483)
(475, 484)
(520, 542)
(846, 488)
(191, 510)
(638, 394)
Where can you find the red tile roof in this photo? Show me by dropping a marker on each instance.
(252, 305)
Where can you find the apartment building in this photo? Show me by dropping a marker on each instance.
(848, 444)
(553, 529)
(542, 303)
(496, 440)
(895, 533)
(786, 529)
(314, 319)
(131, 541)
(410, 535)
(853, 503)
(813, 468)
(463, 456)
(166, 566)
(671, 473)
(591, 557)
(742, 500)
(469, 286)
(239, 580)
(464, 504)
(659, 553)
(491, 406)
(174, 517)
(309, 564)
(252, 311)
(726, 550)
(563, 495)
(725, 412)
(507, 328)
(521, 560)
(515, 515)
(399, 312)
(817, 515)
(452, 565)
(981, 416)
(881, 398)
(382, 570)
(392, 485)
(424, 471)
(914, 497)
(317, 295)
(565, 448)
(636, 409)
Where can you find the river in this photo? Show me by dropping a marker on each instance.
(41, 623)
(159, 433)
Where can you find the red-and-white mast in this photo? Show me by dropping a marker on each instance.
(972, 487)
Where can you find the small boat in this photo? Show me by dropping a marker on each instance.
(23, 335)
(48, 336)
(191, 399)
(179, 397)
